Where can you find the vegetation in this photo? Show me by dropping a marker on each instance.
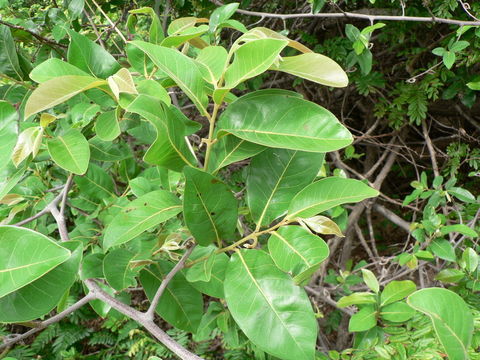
(195, 180)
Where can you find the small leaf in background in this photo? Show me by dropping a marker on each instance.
(117, 271)
(26, 255)
(210, 209)
(470, 259)
(358, 298)
(371, 281)
(140, 215)
(297, 251)
(107, 126)
(397, 312)
(450, 275)
(460, 228)
(9, 63)
(28, 142)
(46, 119)
(155, 31)
(222, 14)
(396, 290)
(70, 151)
(451, 318)
(364, 319)
(322, 225)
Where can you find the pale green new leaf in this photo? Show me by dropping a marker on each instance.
(26, 255)
(186, 35)
(271, 310)
(121, 82)
(363, 320)
(252, 59)
(180, 69)
(314, 67)
(326, 194)
(28, 142)
(297, 251)
(58, 90)
(140, 215)
(279, 118)
(211, 62)
(70, 151)
(396, 290)
(274, 177)
(451, 318)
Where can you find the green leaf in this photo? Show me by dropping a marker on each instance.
(121, 82)
(181, 24)
(90, 57)
(9, 177)
(397, 312)
(459, 228)
(9, 64)
(286, 121)
(274, 177)
(210, 209)
(449, 58)
(26, 255)
(96, 184)
(154, 89)
(109, 151)
(180, 69)
(474, 85)
(221, 14)
(70, 151)
(314, 67)
(326, 194)
(363, 320)
(42, 295)
(321, 225)
(371, 281)
(92, 266)
(8, 132)
(450, 275)
(117, 271)
(53, 68)
(156, 30)
(140, 215)
(297, 251)
(214, 287)
(180, 305)
(271, 310)
(462, 194)
(211, 62)
(358, 298)
(107, 126)
(451, 318)
(443, 249)
(230, 149)
(396, 290)
(57, 91)
(184, 36)
(169, 149)
(252, 59)
(471, 259)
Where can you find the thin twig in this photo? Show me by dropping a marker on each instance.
(110, 22)
(34, 34)
(181, 263)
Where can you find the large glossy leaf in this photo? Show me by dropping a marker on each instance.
(451, 318)
(26, 255)
(180, 305)
(140, 215)
(169, 149)
(252, 59)
(230, 149)
(297, 251)
(8, 132)
(210, 209)
(90, 57)
(9, 64)
(58, 90)
(116, 268)
(326, 194)
(42, 295)
(70, 151)
(53, 68)
(214, 287)
(274, 177)
(107, 126)
(275, 118)
(271, 310)
(314, 67)
(180, 69)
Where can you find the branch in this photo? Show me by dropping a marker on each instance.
(371, 18)
(110, 22)
(394, 218)
(327, 299)
(153, 305)
(52, 320)
(34, 34)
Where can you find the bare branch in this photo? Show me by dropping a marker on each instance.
(153, 305)
(34, 34)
